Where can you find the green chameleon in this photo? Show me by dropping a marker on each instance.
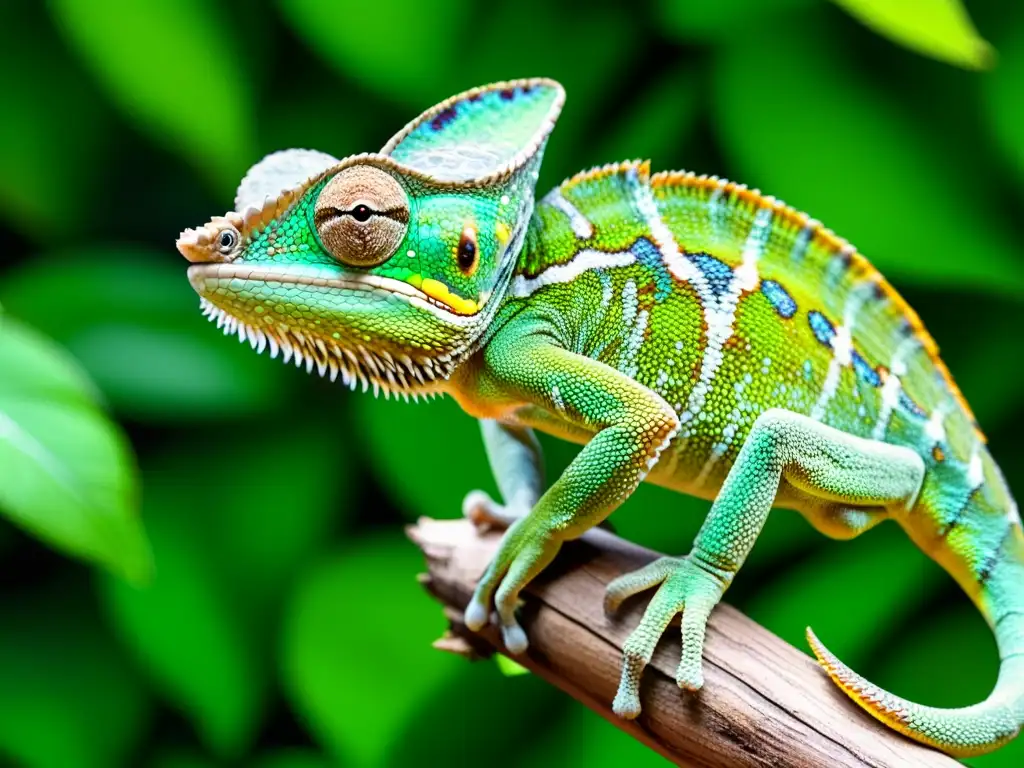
(686, 330)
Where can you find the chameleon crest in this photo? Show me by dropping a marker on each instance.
(685, 330)
(381, 268)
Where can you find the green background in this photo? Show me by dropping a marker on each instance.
(283, 626)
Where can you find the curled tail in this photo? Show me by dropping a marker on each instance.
(979, 728)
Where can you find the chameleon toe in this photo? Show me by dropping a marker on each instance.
(514, 639)
(476, 615)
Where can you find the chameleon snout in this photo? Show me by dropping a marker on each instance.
(218, 241)
(194, 245)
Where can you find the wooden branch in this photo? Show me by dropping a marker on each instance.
(764, 703)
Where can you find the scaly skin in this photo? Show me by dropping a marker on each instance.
(686, 330)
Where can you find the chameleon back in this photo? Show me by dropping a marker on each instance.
(726, 303)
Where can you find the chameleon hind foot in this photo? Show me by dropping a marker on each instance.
(685, 588)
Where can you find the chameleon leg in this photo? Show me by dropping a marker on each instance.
(632, 423)
(782, 447)
(517, 464)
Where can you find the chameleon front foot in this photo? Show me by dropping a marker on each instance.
(526, 549)
(686, 588)
(485, 513)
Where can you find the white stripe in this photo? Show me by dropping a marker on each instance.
(630, 303)
(892, 386)
(716, 212)
(607, 290)
(556, 398)
(803, 240)
(935, 427)
(761, 230)
(975, 468)
(717, 316)
(842, 349)
(584, 261)
(581, 226)
(627, 359)
(719, 313)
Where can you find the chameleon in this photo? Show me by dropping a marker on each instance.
(685, 330)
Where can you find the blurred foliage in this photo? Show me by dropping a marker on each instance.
(939, 28)
(283, 626)
(68, 473)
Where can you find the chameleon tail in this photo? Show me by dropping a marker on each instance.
(979, 728)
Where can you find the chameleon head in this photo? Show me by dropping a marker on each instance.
(381, 268)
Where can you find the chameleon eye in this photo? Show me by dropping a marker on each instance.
(467, 253)
(227, 240)
(361, 216)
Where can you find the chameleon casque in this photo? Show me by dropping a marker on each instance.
(686, 330)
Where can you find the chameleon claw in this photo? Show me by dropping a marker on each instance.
(626, 705)
(689, 678)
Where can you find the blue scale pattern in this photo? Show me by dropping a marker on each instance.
(824, 331)
(866, 373)
(648, 255)
(779, 298)
(717, 273)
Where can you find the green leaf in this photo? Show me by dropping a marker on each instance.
(860, 164)
(284, 758)
(333, 131)
(68, 472)
(851, 605)
(177, 757)
(660, 126)
(718, 20)
(205, 629)
(381, 44)
(427, 456)
(268, 525)
(508, 667)
(528, 706)
(293, 758)
(174, 68)
(356, 655)
(33, 146)
(187, 631)
(131, 318)
(583, 738)
(1003, 102)
(993, 399)
(937, 28)
(68, 698)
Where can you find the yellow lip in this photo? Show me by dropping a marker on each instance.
(439, 292)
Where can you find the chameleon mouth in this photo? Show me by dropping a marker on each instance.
(431, 295)
(404, 374)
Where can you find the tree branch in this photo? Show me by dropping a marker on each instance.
(764, 702)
